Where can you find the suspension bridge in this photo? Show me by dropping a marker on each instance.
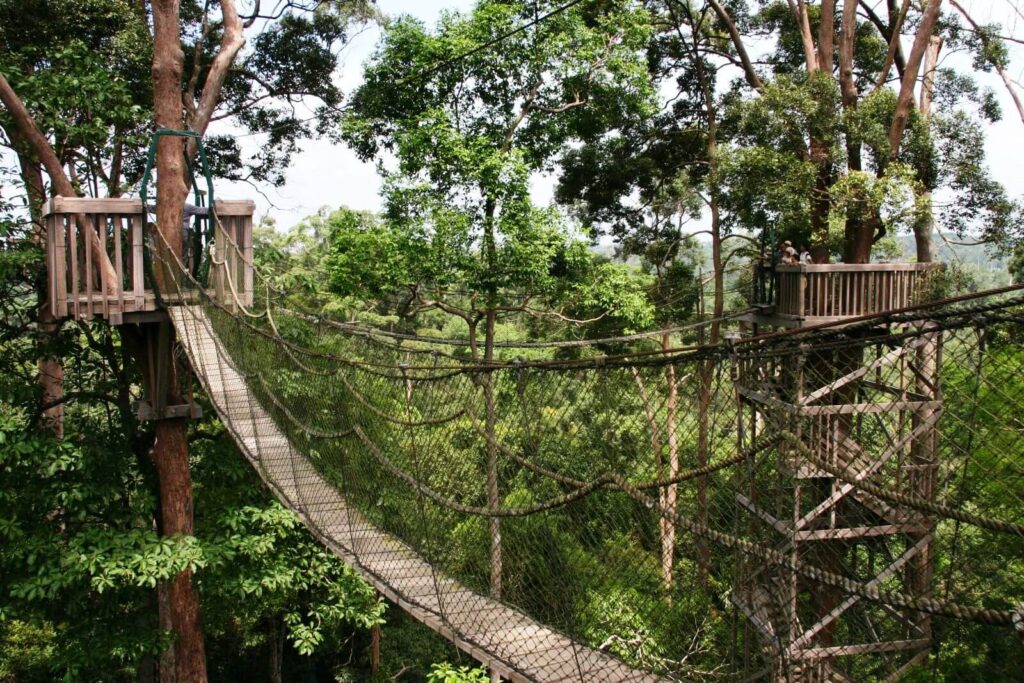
(826, 503)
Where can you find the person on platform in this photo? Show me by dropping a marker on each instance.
(788, 255)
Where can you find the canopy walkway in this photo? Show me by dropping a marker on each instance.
(508, 641)
(843, 503)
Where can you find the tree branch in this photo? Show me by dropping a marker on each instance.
(799, 8)
(737, 40)
(30, 133)
(231, 42)
(894, 55)
(998, 67)
(906, 97)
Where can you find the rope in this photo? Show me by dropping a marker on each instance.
(584, 520)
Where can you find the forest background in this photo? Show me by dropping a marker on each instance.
(664, 120)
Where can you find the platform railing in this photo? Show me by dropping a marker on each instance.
(828, 292)
(76, 286)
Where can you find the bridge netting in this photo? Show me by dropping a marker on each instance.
(828, 504)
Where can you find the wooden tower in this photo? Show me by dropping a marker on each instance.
(864, 410)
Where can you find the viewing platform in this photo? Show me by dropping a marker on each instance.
(807, 294)
(76, 286)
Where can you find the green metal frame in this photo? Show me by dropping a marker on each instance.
(151, 158)
(144, 190)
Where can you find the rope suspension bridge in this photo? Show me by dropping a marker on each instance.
(832, 503)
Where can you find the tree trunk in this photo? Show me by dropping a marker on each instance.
(718, 305)
(375, 650)
(924, 225)
(820, 204)
(168, 672)
(668, 525)
(170, 454)
(806, 36)
(51, 369)
(659, 464)
(493, 490)
(170, 451)
(275, 650)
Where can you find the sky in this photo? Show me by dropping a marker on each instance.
(324, 174)
(329, 175)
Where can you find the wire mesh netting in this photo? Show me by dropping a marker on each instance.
(819, 505)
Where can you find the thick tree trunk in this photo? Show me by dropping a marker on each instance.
(861, 224)
(51, 369)
(168, 671)
(925, 224)
(826, 35)
(275, 650)
(820, 204)
(170, 451)
(170, 454)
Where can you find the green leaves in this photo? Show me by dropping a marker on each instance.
(468, 135)
(449, 673)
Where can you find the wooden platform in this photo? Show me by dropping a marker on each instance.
(502, 637)
(86, 236)
(809, 294)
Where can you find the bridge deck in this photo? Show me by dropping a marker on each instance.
(513, 644)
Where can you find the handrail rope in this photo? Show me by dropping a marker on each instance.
(845, 326)
(362, 330)
(365, 402)
(648, 358)
(679, 478)
(361, 398)
(391, 418)
(839, 339)
(915, 502)
(311, 432)
(665, 356)
(940, 608)
(455, 506)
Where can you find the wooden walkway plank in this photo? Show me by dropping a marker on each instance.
(499, 636)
